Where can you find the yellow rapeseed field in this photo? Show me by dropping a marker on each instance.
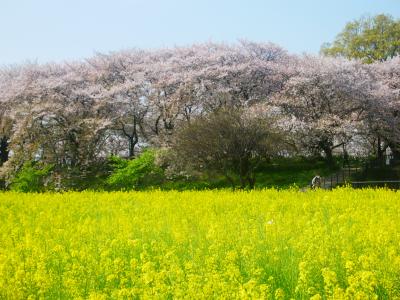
(341, 244)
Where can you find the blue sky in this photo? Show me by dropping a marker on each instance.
(57, 30)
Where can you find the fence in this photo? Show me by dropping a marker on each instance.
(391, 184)
(344, 176)
(341, 177)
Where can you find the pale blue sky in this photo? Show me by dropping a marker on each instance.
(57, 30)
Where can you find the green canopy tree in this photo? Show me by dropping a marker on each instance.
(369, 39)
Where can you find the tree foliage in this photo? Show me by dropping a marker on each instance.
(31, 178)
(74, 115)
(369, 39)
(136, 173)
(327, 102)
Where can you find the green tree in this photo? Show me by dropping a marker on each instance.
(369, 39)
(31, 178)
(137, 173)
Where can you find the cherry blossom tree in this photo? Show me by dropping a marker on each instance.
(124, 96)
(385, 117)
(74, 115)
(326, 102)
(54, 116)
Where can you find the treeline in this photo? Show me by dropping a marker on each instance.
(209, 107)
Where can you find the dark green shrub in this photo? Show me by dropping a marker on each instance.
(89, 177)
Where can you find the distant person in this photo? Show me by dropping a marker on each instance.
(316, 182)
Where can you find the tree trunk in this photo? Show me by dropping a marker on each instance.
(328, 155)
(132, 143)
(379, 149)
(252, 181)
(242, 182)
(133, 138)
(4, 152)
(395, 151)
(231, 181)
(326, 145)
